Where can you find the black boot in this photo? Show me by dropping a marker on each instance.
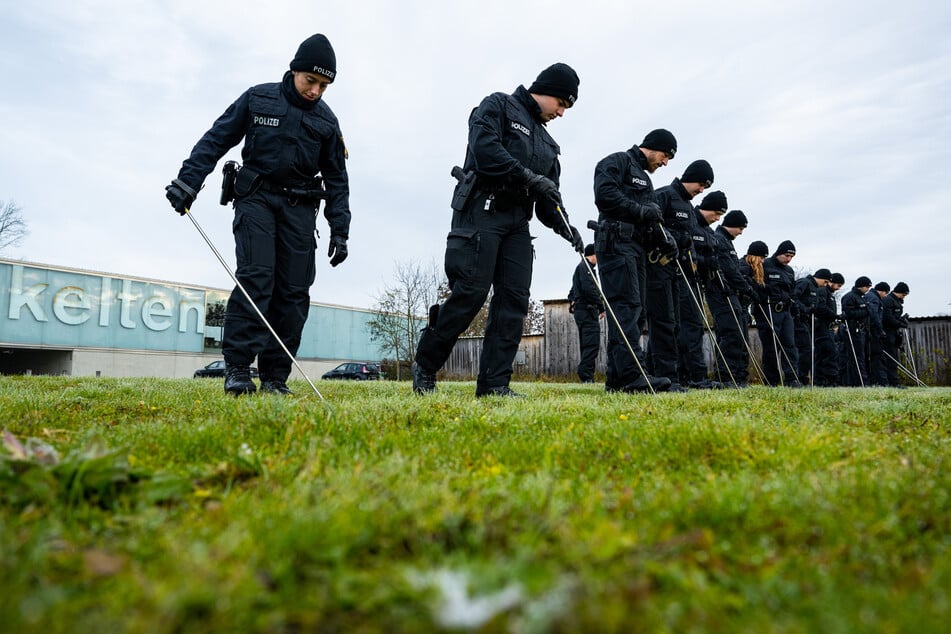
(424, 381)
(502, 390)
(238, 380)
(275, 386)
(657, 383)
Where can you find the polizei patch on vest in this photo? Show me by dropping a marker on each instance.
(639, 181)
(518, 126)
(269, 121)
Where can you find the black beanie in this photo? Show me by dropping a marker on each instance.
(661, 140)
(837, 278)
(316, 55)
(823, 274)
(714, 201)
(786, 246)
(589, 249)
(863, 281)
(698, 172)
(883, 286)
(558, 80)
(901, 287)
(758, 247)
(734, 218)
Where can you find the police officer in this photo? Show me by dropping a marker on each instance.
(855, 311)
(774, 321)
(826, 353)
(805, 300)
(291, 136)
(511, 167)
(701, 269)
(624, 195)
(894, 320)
(663, 290)
(751, 268)
(725, 296)
(584, 303)
(876, 335)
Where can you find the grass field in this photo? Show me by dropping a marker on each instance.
(170, 507)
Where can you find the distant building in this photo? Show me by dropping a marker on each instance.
(58, 320)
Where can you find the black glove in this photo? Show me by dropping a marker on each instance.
(650, 213)
(571, 307)
(572, 235)
(180, 195)
(338, 250)
(670, 249)
(541, 186)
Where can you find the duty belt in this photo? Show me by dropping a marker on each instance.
(295, 193)
(778, 307)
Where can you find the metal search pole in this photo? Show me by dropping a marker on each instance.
(607, 304)
(743, 335)
(858, 368)
(912, 376)
(703, 315)
(255, 307)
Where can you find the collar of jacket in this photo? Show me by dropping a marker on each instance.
(525, 98)
(290, 92)
(638, 156)
(723, 232)
(680, 189)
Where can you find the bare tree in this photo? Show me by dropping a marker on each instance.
(12, 225)
(402, 307)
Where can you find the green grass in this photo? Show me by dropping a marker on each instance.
(174, 508)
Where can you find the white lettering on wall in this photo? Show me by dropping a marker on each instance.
(105, 302)
(75, 302)
(20, 298)
(183, 309)
(126, 297)
(63, 306)
(150, 313)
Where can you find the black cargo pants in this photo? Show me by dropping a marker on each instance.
(622, 265)
(589, 338)
(484, 249)
(274, 248)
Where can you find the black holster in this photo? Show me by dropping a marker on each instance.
(229, 173)
(464, 188)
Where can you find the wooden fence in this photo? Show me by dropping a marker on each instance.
(556, 353)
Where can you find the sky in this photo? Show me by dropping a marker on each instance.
(827, 123)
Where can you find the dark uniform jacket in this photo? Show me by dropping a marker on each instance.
(621, 187)
(780, 280)
(805, 297)
(758, 293)
(583, 293)
(826, 311)
(874, 302)
(674, 201)
(704, 250)
(288, 142)
(855, 309)
(505, 136)
(893, 309)
(729, 280)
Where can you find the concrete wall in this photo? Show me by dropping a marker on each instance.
(135, 364)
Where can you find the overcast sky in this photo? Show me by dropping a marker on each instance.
(828, 123)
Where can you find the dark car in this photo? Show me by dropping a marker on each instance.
(354, 371)
(216, 369)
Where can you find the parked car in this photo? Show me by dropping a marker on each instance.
(354, 371)
(216, 369)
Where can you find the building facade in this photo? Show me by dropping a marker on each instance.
(58, 320)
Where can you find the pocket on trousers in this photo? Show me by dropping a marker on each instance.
(616, 277)
(462, 253)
